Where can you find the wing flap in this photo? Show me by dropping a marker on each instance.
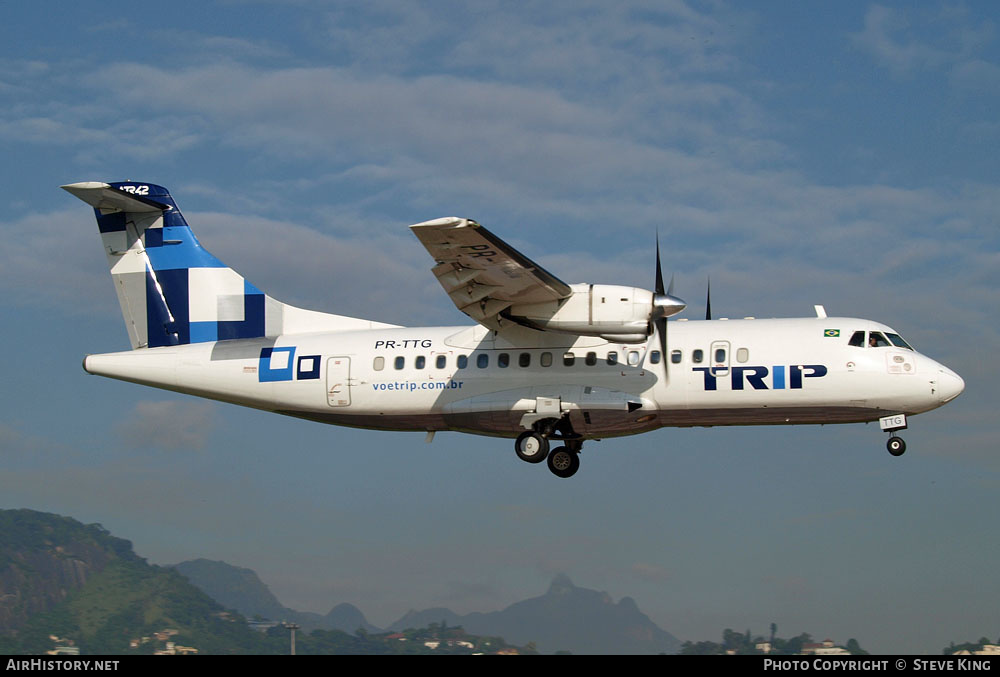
(481, 273)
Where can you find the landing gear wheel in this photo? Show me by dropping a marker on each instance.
(531, 447)
(896, 446)
(563, 462)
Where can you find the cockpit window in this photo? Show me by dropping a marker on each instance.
(898, 341)
(857, 339)
(877, 340)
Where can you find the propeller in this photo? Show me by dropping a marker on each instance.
(665, 304)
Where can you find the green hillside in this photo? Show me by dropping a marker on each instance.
(77, 582)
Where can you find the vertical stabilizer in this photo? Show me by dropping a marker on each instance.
(172, 291)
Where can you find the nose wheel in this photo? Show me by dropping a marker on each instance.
(893, 424)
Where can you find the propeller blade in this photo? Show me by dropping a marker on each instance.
(661, 329)
(659, 271)
(665, 304)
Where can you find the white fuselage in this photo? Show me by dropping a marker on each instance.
(719, 372)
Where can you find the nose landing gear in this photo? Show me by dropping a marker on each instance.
(890, 424)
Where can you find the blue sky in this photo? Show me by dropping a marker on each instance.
(797, 153)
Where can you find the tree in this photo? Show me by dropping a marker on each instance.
(855, 648)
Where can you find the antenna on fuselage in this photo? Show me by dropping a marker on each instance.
(708, 300)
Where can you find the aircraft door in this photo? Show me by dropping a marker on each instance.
(338, 381)
(719, 358)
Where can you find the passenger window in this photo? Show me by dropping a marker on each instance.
(675, 356)
(654, 357)
(379, 363)
(420, 362)
(612, 358)
(400, 362)
(742, 355)
(524, 360)
(463, 361)
(482, 360)
(697, 356)
(633, 357)
(503, 360)
(720, 354)
(569, 359)
(591, 359)
(440, 361)
(857, 339)
(546, 359)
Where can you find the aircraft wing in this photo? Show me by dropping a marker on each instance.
(481, 273)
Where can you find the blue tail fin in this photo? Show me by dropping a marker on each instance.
(171, 290)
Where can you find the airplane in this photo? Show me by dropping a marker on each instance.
(548, 364)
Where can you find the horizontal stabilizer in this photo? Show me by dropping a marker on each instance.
(108, 199)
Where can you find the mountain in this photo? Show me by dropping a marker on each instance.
(564, 618)
(241, 589)
(234, 588)
(61, 577)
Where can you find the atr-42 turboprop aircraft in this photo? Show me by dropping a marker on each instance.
(547, 363)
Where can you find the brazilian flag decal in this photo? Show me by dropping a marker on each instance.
(831, 332)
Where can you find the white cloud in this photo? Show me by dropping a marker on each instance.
(54, 259)
(652, 573)
(168, 424)
(924, 39)
(881, 38)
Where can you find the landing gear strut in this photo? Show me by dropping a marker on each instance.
(532, 446)
(891, 424)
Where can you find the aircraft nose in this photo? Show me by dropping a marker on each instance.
(950, 385)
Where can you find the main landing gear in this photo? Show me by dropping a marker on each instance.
(532, 446)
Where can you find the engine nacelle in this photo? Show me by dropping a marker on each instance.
(616, 313)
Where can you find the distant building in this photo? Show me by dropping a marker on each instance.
(64, 651)
(63, 647)
(824, 648)
(987, 650)
(262, 626)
